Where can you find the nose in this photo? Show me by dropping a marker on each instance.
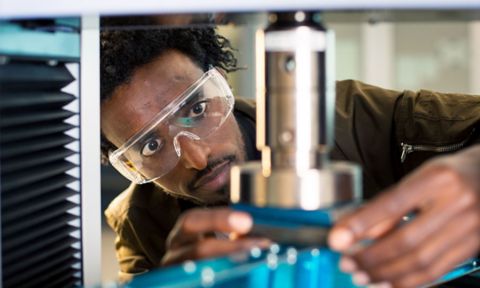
(194, 153)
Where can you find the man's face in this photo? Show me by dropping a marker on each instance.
(203, 170)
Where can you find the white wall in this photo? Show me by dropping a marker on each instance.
(442, 56)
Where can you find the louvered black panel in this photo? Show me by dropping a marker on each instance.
(16, 99)
(41, 157)
(10, 119)
(38, 259)
(41, 187)
(40, 144)
(29, 176)
(28, 225)
(58, 278)
(55, 261)
(29, 131)
(51, 226)
(34, 76)
(39, 207)
(9, 258)
(29, 209)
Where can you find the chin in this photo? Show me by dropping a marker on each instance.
(216, 198)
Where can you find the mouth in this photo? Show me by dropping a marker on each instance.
(215, 177)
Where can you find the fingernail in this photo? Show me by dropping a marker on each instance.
(263, 243)
(361, 278)
(340, 239)
(347, 265)
(241, 222)
(380, 285)
(233, 236)
(258, 243)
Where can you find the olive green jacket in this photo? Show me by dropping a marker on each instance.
(387, 132)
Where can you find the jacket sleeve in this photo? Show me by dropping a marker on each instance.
(364, 125)
(128, 246)
(430, 123)
(139, 242)
(374, 124)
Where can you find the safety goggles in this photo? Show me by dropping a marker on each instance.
(196, 113)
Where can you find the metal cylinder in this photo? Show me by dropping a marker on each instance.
(295, 122)
(300, 96)
(337, 183)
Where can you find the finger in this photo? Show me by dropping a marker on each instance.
(451, 235)
(380, 285)
(202, 221)
(210, 248)
(391, 206)
(468, 247)
(411, 235)
(381, 229)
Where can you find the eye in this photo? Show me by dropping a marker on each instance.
(151, 147)
(198, 109)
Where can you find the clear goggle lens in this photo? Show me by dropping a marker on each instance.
(196, 113)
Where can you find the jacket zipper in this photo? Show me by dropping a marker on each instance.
(408, 148)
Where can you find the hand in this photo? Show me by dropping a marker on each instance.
(444, 194)
(193, 235)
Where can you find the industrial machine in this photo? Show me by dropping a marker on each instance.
(43, 154)
(295, 193)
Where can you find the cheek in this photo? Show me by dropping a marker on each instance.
(171, 180)
(224, 141)
(229, 132)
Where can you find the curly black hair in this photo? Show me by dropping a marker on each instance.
(125, 50)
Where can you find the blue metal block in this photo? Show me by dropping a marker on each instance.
(466, 268)
(277, 267)
(289, 217)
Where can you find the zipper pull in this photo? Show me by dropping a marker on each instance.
(406, 149)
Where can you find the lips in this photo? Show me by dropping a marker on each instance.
(215, 178)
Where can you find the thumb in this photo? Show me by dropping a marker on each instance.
(342, 237)
(372, 220)
(384, 212)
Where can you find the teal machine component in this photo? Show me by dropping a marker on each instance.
(280, 266)
(277, 267)
(55, 39)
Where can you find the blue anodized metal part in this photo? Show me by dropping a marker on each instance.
(280, 266)
(277, 267)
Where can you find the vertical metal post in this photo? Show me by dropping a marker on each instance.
(474, 39)
(90, 149)
(377, 51)
(295, 114)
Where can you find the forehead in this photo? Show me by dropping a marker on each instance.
(151, 88)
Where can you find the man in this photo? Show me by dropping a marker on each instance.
(168, 122)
